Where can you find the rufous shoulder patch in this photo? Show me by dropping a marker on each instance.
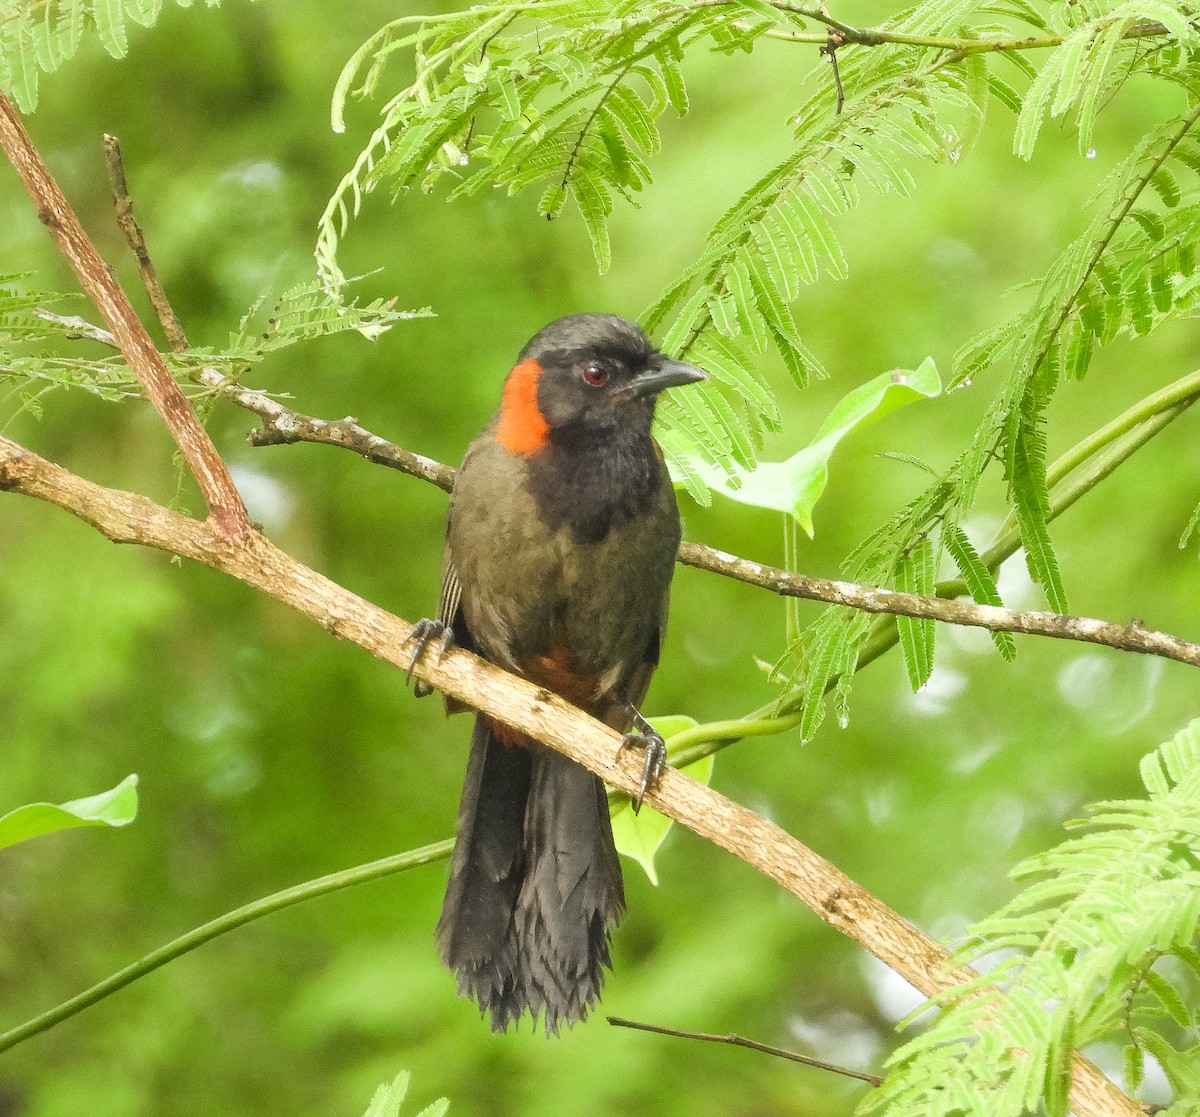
(523, 429)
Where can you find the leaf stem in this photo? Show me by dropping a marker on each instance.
(239, 917)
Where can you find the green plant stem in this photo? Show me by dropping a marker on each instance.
(1183, 391)
(699, 741)
(239, 917)
(1106, 449)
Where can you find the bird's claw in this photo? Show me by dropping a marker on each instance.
(424, 632)
(652, 744)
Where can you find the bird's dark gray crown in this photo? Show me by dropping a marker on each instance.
(598, 334)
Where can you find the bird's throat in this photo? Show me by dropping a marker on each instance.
(597, 482)
(523, 429)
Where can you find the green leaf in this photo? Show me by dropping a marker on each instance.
(1191, 527)
(1168, 996)
(110, 26)
(116, 807)
(388, 1098)
(1032, 503)
(916, 575)
(1134, 1068)
(639, 836)
(437, 1108)
(510, 101)
(745, 301)
(794, 486)
(980, 582)
(676, 90)
(595, 205)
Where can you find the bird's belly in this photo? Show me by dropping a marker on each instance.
(573, 618)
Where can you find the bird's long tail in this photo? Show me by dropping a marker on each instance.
(535, 883)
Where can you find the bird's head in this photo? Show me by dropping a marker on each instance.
(585, 374)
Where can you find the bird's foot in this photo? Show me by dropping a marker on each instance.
(655, 749)
(424, 632)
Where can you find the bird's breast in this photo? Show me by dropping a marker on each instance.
(564, 564)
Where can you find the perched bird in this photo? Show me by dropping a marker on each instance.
(560, 545)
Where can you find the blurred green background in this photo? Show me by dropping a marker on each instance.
(270, 753)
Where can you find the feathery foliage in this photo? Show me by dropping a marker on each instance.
(38, 36)
(570, 101)
(567, 96)
(302, 313)
(1098, 945)
(1102, 286)
(389, 1099)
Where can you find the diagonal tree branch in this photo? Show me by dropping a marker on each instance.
(253, 559)
(225, 506)
(228, 542)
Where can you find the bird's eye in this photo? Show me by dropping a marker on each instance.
(596, 376)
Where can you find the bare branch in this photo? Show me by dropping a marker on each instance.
(282, 425)
(1131, 637)
(836, 39)
(959, 47)
(136, 240)
(753, 1045)
(225, 506)
(253, 559)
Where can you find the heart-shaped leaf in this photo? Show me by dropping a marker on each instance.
(639, 835)
(794, 486)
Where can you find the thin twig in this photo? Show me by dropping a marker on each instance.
(76, 325)
(136, 239)
(753, 1045)
(282, 425)
(1131, 637)
(225, 506)
(876, 37)
(834, 40)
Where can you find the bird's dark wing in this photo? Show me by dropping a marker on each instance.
(450, 622)
(450, 601)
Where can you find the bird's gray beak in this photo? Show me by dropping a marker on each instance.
(668, 374)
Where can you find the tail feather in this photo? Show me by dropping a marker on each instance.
(535, 885)
(474, 931)
(572, 895)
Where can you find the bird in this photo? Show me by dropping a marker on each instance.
(560, 544)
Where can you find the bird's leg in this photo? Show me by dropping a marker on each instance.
(423, 632)
(650, 741)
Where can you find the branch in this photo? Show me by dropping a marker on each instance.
(136, 240)
(281, 425)
(752, 1044)
(251, 558)
(225, 506)
(872, 37)
(1131, 637)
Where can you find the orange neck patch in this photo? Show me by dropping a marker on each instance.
(523, 429)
